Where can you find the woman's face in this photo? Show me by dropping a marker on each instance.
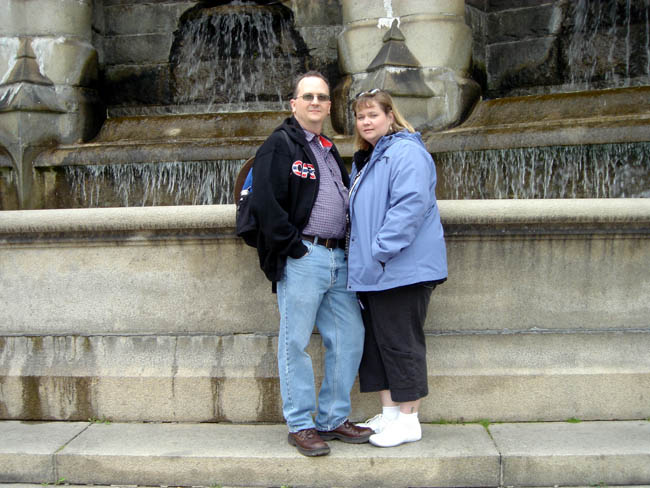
(373, 122)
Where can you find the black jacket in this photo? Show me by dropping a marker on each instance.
(285, 185)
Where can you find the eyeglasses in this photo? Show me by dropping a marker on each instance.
(309, 97)
(367, 93)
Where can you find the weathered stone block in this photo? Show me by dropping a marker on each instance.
(496, 5)
(66, 61)
(138, 49)
(39, 443)
(47, 18)
(138, 85)
(565, 454)
(309, 13)
(524, 23)
(518, 64)
(482, 5)
(148, 18)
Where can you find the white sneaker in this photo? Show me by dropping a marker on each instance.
(397, 432)
(377, 423)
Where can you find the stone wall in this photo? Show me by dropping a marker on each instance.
(137, 38)
(524, 47)
(516, 45)
(48, 86)
(162, 314)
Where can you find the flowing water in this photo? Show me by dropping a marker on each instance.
(610, 43)
(592, 171)
(242, 57)
(176, 183)
(234, 56)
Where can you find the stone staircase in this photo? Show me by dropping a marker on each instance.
(159, 322)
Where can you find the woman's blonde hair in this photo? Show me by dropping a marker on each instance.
(385, 102)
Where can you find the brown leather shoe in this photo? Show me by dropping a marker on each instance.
(348, 432)
(308, 443)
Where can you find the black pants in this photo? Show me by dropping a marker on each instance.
(394, 353)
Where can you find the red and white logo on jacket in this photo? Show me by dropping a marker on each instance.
(304, 170)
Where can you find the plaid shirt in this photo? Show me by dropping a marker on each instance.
(328, 215)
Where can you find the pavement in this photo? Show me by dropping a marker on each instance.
(546, 454)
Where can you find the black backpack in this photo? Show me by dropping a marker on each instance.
(245, 223)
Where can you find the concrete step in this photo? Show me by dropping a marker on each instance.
(452, 455)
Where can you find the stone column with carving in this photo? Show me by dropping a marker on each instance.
(48, 78)
(436, 35)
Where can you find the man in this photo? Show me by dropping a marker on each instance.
(300, 198)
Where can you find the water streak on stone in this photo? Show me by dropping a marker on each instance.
(594, 171)
(144, 184)
(610, 43)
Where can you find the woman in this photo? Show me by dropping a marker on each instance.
(397, 256)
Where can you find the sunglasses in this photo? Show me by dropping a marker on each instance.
(308, 97)
(367, 93)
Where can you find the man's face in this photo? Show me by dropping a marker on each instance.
(311, 114)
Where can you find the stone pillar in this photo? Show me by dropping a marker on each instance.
(435, 33)
(48, 75)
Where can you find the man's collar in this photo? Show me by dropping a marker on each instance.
(324, 141)
(309, 135)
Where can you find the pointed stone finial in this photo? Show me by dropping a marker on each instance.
(26, 89)
(395, 68)
(394, 34)
(394, 51)
(26, 68)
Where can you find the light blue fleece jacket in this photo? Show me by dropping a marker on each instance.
(396, 237)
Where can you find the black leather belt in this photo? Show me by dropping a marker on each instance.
(330, 243)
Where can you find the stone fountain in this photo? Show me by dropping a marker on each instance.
(126, 313)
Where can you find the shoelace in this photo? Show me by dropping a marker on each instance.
(306, 434)
(375, 418)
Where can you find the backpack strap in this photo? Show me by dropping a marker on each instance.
(248, 182)
(290, 144)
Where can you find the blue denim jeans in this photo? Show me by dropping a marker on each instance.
(313, 291)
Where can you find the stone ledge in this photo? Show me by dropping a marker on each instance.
(550, 212)
(535, 454)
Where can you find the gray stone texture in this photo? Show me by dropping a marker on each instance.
(125, 313)
(58, 103)
(185, 454)
(137, 18)
(538, 41)
(497, 5)
(572, 454)
(563, 119)
(25, 18)
(502, 377)
(170, 454)
(137, 38)
(321, 13)
(138, 49)
(515, 25)
(27, 450)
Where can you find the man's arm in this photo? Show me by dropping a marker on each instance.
(270, 197)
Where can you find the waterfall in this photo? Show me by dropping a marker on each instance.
(609, 43)
(143, 184)
(592, 171)
(231, 56)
